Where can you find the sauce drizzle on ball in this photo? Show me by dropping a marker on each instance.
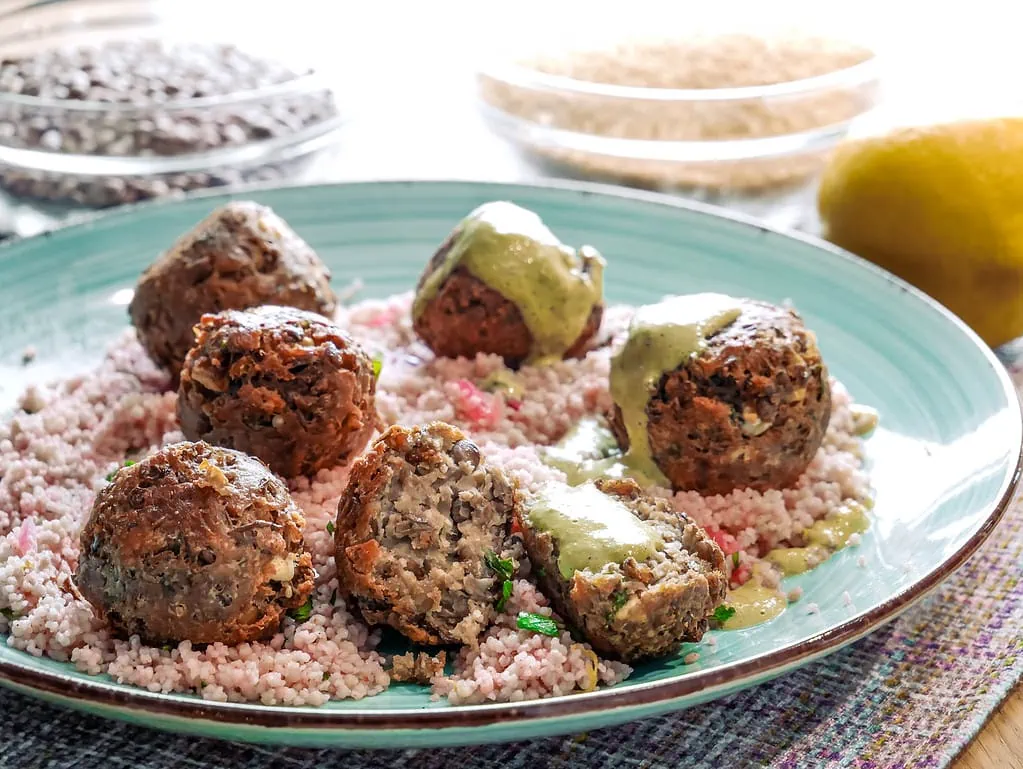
(661, 337)
(510, 249)
(592, 529)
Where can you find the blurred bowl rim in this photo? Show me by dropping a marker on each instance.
(253, 154)
(526, 77)
(311, 82)
(697, 151)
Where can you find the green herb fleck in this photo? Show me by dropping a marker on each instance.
(506, 591)
(203, 684)
(112, 473)
(735, 560)
(326, 676)
(333, 597)
(8, 614)
(541, 571)
(723, 613)
(303, 612)
(618, 599)
(537, 623)
(330, 528)
(378, 365)
(503, 567)
(166, 647)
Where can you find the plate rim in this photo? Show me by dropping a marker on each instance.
(472, 717)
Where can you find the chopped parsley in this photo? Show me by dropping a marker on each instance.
(504, 567)
(723, 613)
(541, 571)
(735, 560)
(8, 614)
(326, 676)
(333, 597)
(618, 599)
(303, 612)
(506, 591)
(127, 463)
(330, 528)
(378, 365)
(537, 623)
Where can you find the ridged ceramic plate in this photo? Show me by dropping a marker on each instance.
(944, 463)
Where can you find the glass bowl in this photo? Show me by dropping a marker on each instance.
(253, 117)
(581, 105)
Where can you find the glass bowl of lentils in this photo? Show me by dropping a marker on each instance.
(107, 103)
(729, 108)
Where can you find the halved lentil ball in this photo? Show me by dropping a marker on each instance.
(421, 517)
(641, 607)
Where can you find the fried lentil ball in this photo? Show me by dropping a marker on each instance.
(466, 316)
(420, 514)
(635, 610)
(285, 385)
(749, 410)
(241, 255)
(194, 543)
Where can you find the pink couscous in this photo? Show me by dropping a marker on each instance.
(57, 450)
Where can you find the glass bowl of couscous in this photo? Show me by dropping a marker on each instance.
(717, 109)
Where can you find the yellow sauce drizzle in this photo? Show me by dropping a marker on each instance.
(865, 419)
(823, 539)
(506, 382)
(754, 604)
(796, 560)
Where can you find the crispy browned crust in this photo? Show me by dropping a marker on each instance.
(285, 385)
(467, 317)
(367, 570)
(231, 260)
(417, 667)
(181, 547)
(765, 364)
(658, 613)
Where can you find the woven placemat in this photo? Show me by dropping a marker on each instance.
(910, 695)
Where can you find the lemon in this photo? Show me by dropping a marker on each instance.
(941, 207)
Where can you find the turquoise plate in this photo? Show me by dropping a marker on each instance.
(944, 463)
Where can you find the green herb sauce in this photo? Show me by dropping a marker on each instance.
(822, 539)
(508, 248)
(591, 529)
(753, 604)
(661, 338)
